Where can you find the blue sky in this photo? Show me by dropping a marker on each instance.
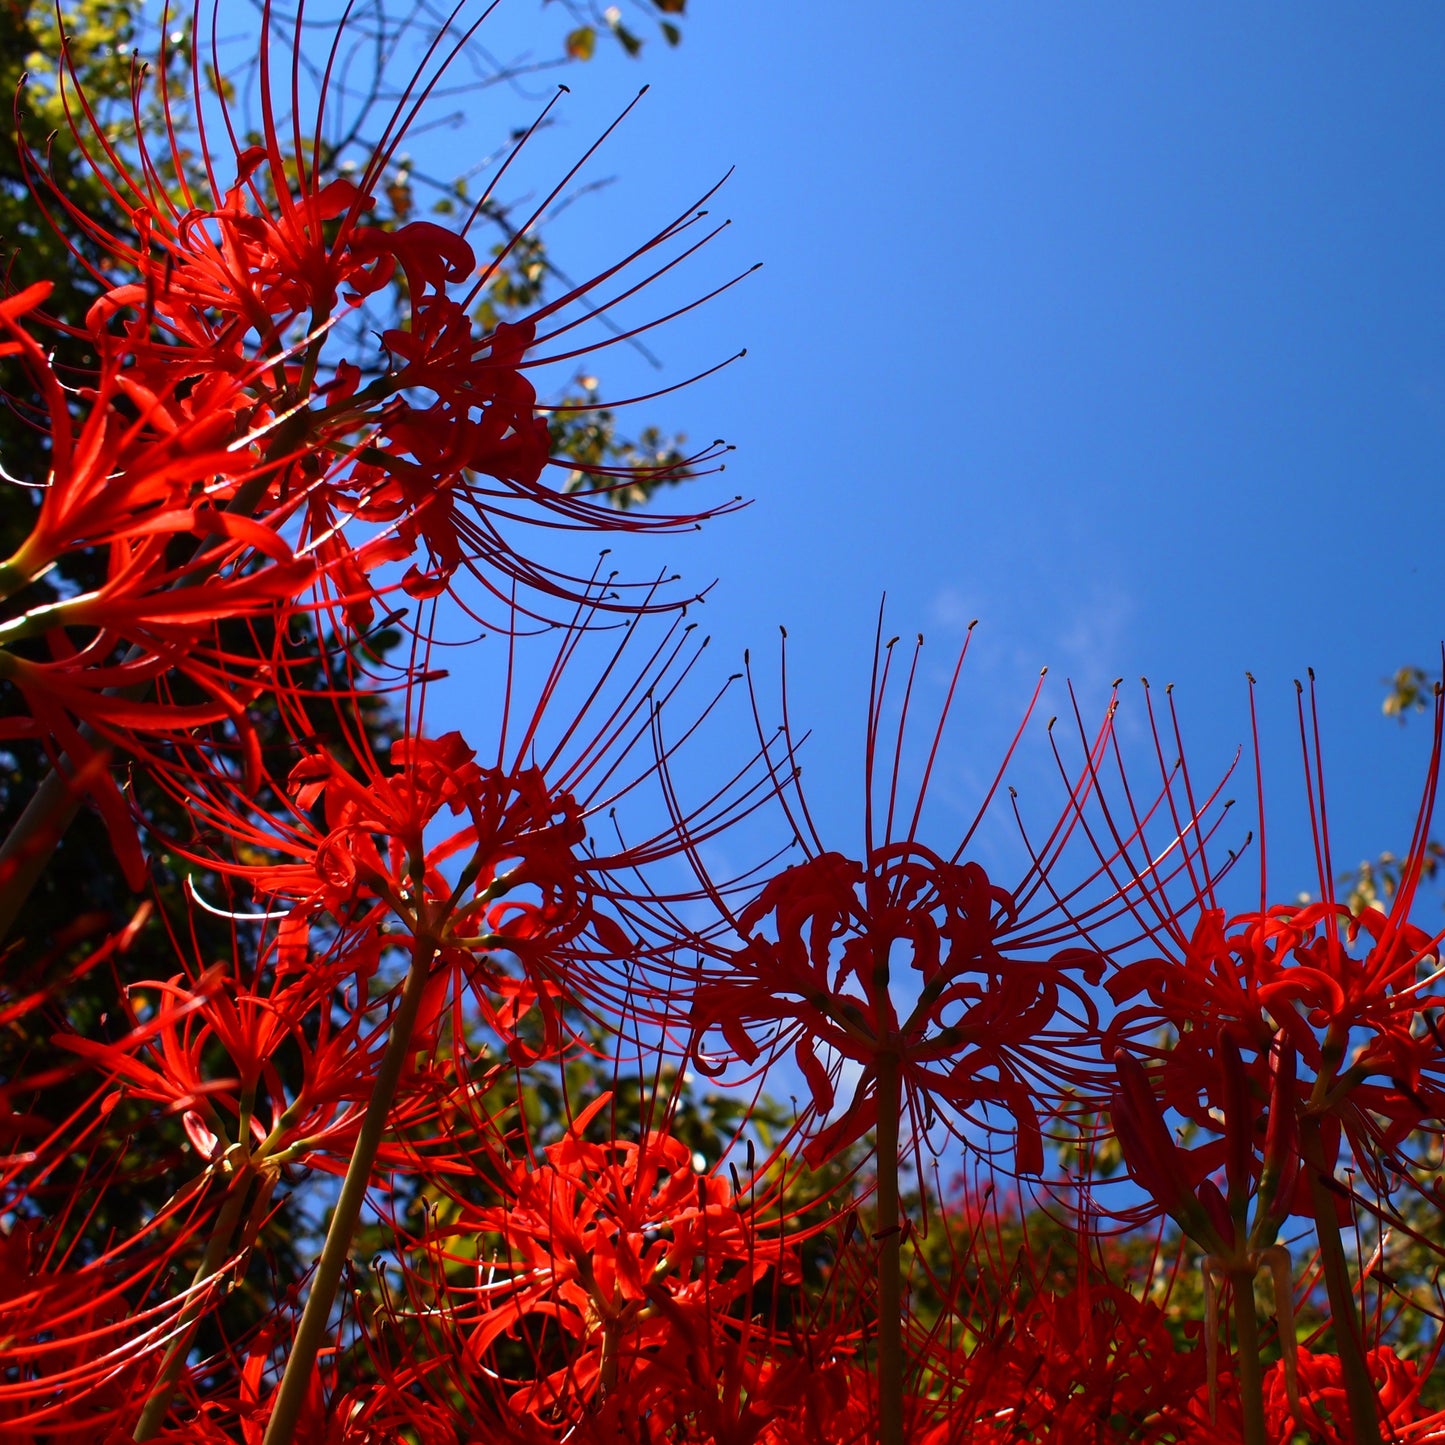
(1120, 328)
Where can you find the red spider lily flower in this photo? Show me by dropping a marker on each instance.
(1027, 1340)
(906, 959)
(975, 1004)
(210, 1051)
(1221, 991)
(93, 669)
(522, 889)
(1061, 1364)
(1321, 1410)
(1350, 996)
(133, 467)
(247, 283)
(701, 1354)
(1398, 1387)
(993, 1015)
(333, 1413)
(38, 1296)
(493, 863)
(276, 246)
(1278, 971)
(625, 1250)
(749, 1385)
(83, 1325)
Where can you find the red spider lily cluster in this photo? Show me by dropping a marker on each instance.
(423, 936)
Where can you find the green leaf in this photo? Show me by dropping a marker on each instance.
(218, 84)
(630, 42)
(672, 33)
(582, 42)
(1410, 690)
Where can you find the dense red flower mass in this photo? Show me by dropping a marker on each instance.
(436, 1000)
(246, 283)
(1324, 1414)
(632, 1253)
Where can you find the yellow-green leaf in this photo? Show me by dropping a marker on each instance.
(582, 42)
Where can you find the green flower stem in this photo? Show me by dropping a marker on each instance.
(315, 1322)
(1251, 1370)
(218, 1250)
(1359, 1388)
(890, 1283)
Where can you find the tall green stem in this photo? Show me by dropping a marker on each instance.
(1250, 1373)
(316, 1317)
(1359, 1387)
(890, 1259)
(218, 1249)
